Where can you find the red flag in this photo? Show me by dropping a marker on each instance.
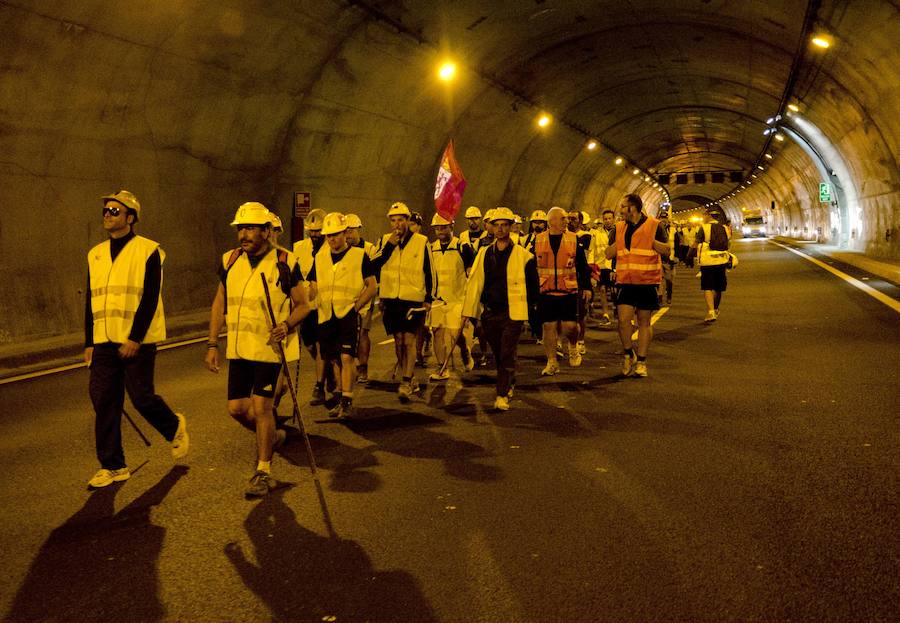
(449, 186)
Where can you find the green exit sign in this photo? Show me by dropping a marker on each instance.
(824, 192)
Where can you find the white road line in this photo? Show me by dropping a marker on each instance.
(390, 340)
(662, 312)
(856, 283)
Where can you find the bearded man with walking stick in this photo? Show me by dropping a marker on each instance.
(254, 347)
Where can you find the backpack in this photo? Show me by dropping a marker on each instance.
(718, 237)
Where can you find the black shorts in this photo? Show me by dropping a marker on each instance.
(309, 328)
(339, 336)
(639, 296)
(713, 278)
(251, 377)
(558, 308)
(606, 277)
(394, 316)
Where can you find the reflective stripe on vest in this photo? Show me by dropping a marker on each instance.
(451, 272)
(116, 290)
(247, 316)
(557, 273)
(640, 264)
(516, 291)
(338, 285)
(403, 275)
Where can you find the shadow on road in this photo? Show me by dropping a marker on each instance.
(302, 576)
(100, 565)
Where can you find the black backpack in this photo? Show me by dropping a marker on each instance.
(718, 237)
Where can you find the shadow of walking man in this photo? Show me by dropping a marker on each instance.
(302, 576)
(100, 565)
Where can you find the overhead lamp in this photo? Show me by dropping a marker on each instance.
(822, 41)
(592, 145)
(619, 161)
(447, 71)
(754, 175)
(646, 178)
(769, 156)
(794, 107)
(770, 120)
(779, 137)
(636, 171)
(768, 131)
(760, 167)
(544, 120)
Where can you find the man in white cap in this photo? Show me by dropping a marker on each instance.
(355, 239)
(407, 289)
(451, 260)
(565, 282)
(305, 250)
(255, 346)
(501, 283)
(536, 224)
(343, 280)
(474, 230)
(123, 322)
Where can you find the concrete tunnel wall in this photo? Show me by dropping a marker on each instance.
(197, 108)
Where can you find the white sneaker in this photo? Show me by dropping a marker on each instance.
(710, 317)
(550, 369)
(438, 376)
(574, 357)
(501, 403)
(105, 477)
(181, 441)
(640, 368)
(582, 349)
(628, 365)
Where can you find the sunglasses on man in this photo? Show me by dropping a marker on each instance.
(113, 211)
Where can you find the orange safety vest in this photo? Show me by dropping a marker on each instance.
(557, 273)
(640, 264)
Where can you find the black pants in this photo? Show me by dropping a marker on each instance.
(503, 336)
(110, 377)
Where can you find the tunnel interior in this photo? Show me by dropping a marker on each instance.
(197, 107)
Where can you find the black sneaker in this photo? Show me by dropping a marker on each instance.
(318, 396)
(260, 485)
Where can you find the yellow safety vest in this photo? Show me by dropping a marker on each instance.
(450, 270)
(338, 285)
(303, 250)
(248, 316)
(116, 290)
(403, 275)
(708, 257)
(516, 291)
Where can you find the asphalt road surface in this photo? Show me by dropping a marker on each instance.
(752, 477)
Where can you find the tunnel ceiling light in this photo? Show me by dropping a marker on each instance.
(794, 107)
(592, 145)
(779, 137)
(822, 41)
(544, 120)
(646, 178)
(770, 120)
(636, 171)
(619, 161)
(767, 131)
(447, 71)
(760, 167)
(754, 175)
(769, 156)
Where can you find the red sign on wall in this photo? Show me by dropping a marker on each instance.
(302, 203)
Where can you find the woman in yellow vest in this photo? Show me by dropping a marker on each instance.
(254, 360)
(637, 243)
(343, 282)
(123, 322)
(501, 283)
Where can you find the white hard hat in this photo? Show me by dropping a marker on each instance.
(252, 213)
(127, 199)
(518, 219)
(585, 217)
(473, 212)
(314, 219)
(275, 221)
(487, 215)
(538, 215)
(353, 221)
(399, 209)
(502, 214)
(437, 219)
(335, 223)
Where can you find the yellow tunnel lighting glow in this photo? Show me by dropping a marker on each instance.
(592, 145)
(779, 137)
(769, 156)
(636, 171)
(619, 161)
(760, 167)
(822, 41)
(794, 107)
(544, 120)
(646, 178)
(447, 71)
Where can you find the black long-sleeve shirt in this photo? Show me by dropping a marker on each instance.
(149, 299)
(495, 296)
(384, 255)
